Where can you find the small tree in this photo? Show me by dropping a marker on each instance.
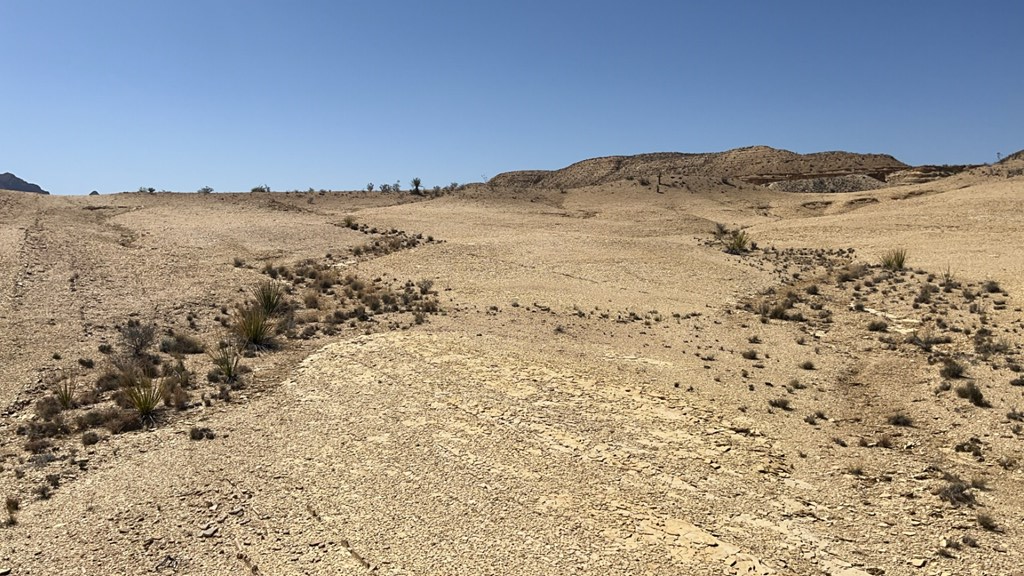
(263, 188)
(416, 185)
(385, 188)
(369, 187)
(397, 186)
(205, 190)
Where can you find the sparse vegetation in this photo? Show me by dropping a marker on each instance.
(970, 391)
(269, 296)
(952, 369)
(254, 328)
(894, 259)
(878, 326)
(900, 419)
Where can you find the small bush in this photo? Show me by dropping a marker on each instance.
(900, 419)
(894, 259)
(48, 407)
(181, 344)
(878, 326)
(780, 403)
(807, 365)
(987, 522)
(201, 433)
(952, 369)
(958, 493)
(90, 438)
(970, 391)
(137, 337)
(991, 287)
(226, 360)
(737, 242)
(750, 354)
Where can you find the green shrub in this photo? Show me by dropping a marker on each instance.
(145, 398)
(737, 242)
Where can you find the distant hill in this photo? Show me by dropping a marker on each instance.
(755, 164)
(9, 181)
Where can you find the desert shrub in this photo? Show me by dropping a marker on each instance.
(38, 445)
(750, 354)
(878, 326)
(12, 504)
(263, 188)
(269, 296)
(851, 272)
(970, 391)
(894, 259)
(924, 295)
(47, 407)
(226, 362)
(807, 365)
(145, 398)
(991, 287)
(780, 403)
(952, 369)
(201, 433)
(988, 522)
(253, 328)
(137, 337)
(958, 493)
(737, 242)
(311, 300)
(927, 339)
(900, 419)
(90, 438)
(119, 421)
(177, 343)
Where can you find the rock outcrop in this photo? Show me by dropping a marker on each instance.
(9, 181)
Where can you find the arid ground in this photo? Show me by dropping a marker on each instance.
(550, 373)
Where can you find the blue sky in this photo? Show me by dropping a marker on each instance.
(112, 95)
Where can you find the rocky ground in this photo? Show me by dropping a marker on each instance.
(601, 388)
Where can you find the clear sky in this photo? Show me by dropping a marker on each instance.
(111, 95)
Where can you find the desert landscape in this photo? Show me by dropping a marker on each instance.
(749, 362)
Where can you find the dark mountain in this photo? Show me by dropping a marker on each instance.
(9, 181)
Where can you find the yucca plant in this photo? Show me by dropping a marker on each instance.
(227, 359)
(64, 391)
(145, 397)
(253, 327)
(269, 296)
(737, 242)
(894, 259)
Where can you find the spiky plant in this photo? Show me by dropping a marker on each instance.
(64, 391)
(894, 259)
(227, 359)
(737, 242)
(145, 398)
(253, 327)
(269, 296)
